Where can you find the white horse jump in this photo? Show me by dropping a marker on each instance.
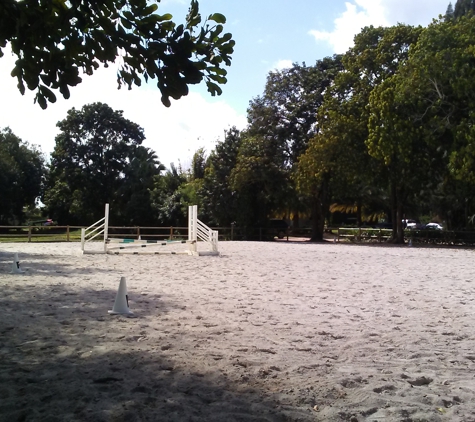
(197, 230)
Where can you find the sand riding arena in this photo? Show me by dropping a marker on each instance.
(267, 331)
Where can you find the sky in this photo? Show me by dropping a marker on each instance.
(269, 34)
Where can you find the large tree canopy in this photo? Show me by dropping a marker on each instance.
(286, 113)
(423, 119)
(98, 158)
(58, 40)
(281, 123)
(337, 158)
(21, 176)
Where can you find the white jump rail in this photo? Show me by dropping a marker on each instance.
(128, 246)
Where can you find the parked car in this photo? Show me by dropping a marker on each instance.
(47, 222)
(409, 224)
(433, 226)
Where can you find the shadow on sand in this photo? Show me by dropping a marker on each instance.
(63, 358)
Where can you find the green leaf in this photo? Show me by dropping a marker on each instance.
(129, 15)
(16, 71)
(64, 89)
(41, 101)
(48, 93)
(217, 78)
(165, 17)
(149, 10)
(213, 89)
(217, 17)
(126, 24)
(166, 101)
(218, 71)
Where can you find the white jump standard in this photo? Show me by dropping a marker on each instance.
(197, 231)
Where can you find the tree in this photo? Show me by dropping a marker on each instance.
(220, 202)
(198, 164)
(133, 198)
(167, 197)
(287, 110)
(464, 7)
(432, 101)
(56, 41)
(260, 181)
(190, 190)
(397, 143)
(312, 178)
(283, 120)
(342, 150)
(98, 158)
(449, 14)
(21, 176)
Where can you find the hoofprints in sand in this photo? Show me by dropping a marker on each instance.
(266, 332)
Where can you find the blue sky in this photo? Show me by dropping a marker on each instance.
(269, 34)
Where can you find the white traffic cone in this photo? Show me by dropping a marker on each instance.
(121, 304)
(16, 266)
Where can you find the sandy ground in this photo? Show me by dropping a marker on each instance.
(266, 332)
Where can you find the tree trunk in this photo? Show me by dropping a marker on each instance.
(296, 220)
(358, 213)
(319, 208)
(394, 211)
(399, 217)
(317, 218)
(397, 214)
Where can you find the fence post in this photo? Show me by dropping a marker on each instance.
(106, 226)
(138, 233)
(29, 234)
(67, 233)
(232, 231)
(83, 238)
(171, 233)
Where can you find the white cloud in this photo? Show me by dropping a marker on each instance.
(361, 13)
(282, 64)
(190, 123)
(412, 12)
(357, 15)
(174, 133)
